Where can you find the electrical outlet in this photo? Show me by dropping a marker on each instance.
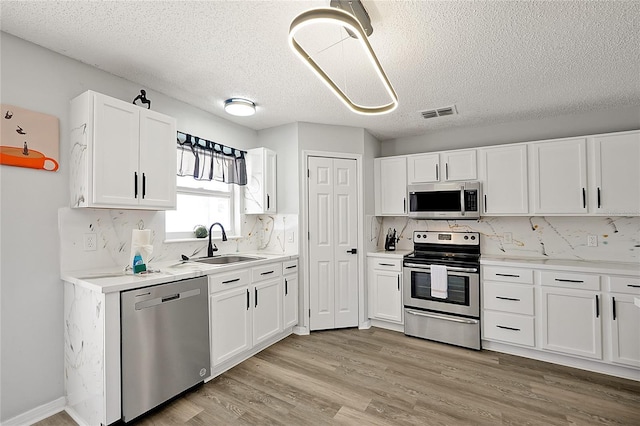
(592, 241)
(290, 238)
(90, 242)
(507, 238)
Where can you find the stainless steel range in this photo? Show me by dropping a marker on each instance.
(441, 288)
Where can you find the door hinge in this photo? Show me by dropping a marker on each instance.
(308, 235)
(308, 174)
(309, 313)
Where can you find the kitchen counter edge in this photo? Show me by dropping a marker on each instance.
(97, 280)
(588, 266)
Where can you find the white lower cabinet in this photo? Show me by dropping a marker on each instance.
(290, 292)
(571, 322)
(230, 324)
(267, 310)
(624, 320)
(385, 288)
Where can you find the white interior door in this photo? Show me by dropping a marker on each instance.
(333, 268)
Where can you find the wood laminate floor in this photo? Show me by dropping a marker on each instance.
(380, 377)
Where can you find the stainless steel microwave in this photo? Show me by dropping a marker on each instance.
(452, 200)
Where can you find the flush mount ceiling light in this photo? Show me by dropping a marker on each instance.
(240, 107)
(347, 21)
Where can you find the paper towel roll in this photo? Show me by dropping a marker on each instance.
(141, 243)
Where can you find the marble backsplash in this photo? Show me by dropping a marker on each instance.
(268, 233)
(534, 237)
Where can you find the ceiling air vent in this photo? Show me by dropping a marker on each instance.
(439, 112)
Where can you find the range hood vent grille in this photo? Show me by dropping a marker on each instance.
(439, 112)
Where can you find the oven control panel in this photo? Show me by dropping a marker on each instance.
(457, 238)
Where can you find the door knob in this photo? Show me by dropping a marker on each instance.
(352, 251)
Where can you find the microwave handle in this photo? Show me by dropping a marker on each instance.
(462, 211)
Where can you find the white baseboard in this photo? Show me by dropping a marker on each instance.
(38, 413)
(301, 331)
(78, 419)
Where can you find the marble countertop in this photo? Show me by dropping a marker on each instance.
(105, 280)
(620, 268)
(394, 254)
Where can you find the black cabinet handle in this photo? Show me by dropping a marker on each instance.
(291, 267)
(256, 296)
(230, 281)
(268, 201)
(508, 328)
(135, 184)
(446, 171)
(267, 273)
(598, 197)
(286, 287)
(485, 203)
(144, 185)
(437, 178)
(507, 298)
(247, 299)
(404, 205)
(613, 304)
(398, 282)
(384, 264)
(597, 306)
(569, 281)
(584, 198)
(633, 285)
(508, 275)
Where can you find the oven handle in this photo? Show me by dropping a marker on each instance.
(449, 268)
(441, 317)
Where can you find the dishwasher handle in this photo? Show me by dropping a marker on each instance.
(166, 299)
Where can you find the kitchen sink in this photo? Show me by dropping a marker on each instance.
(226, 259)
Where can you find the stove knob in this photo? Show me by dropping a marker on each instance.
(473, 237)
(466, 237)
(424, 235)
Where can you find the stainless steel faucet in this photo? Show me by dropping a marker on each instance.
(210, 249)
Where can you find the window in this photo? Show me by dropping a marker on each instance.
(202, 202)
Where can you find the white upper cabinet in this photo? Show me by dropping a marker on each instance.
(559, 176)
(503, 172)
(444, 166)
(390, 186)
(459, 165)
(615, 174)
(423, 168)
(260, 191)
(123, 156)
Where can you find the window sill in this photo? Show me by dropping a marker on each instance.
(204, 240)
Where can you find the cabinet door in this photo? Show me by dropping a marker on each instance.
(116, 132)
(386, 290)
(460, 165)
(423, 168)
(267, 310)
(392, 181)
(571, 322)
(290, 303)
(157, 171)
(559, 177)
(230, 324)
(270, 181)
(616, 175)
(625, 335)
(504, 180)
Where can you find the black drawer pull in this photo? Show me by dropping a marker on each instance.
(256, 297)
(247, 299)
(267, 273)
(569, 281)
(291, 267)
(597, 306)
(508, 275)
(386, 264)
(286, 287)
(613, 304)
(230, 281)
(633, 285)
(507, 298)
(508, 328)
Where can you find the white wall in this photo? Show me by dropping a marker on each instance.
(589, 123)
(31, 314)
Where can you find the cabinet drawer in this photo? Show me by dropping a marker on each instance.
(508, 328)
(227, 280)
(290, 267)
(385, 264)
(629, 285)
(512, 275)
(570, 280)
(266, 272)
(508, 297)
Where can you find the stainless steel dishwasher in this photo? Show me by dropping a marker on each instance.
(165, 343)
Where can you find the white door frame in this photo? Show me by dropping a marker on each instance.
(303, 323)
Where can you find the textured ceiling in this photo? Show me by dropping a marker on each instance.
(497, 61)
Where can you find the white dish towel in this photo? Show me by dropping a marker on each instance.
(439, 281)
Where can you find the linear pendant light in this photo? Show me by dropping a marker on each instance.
(343, 19)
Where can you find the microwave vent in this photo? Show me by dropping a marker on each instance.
(439, 112)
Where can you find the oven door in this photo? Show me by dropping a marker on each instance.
(463, 296)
